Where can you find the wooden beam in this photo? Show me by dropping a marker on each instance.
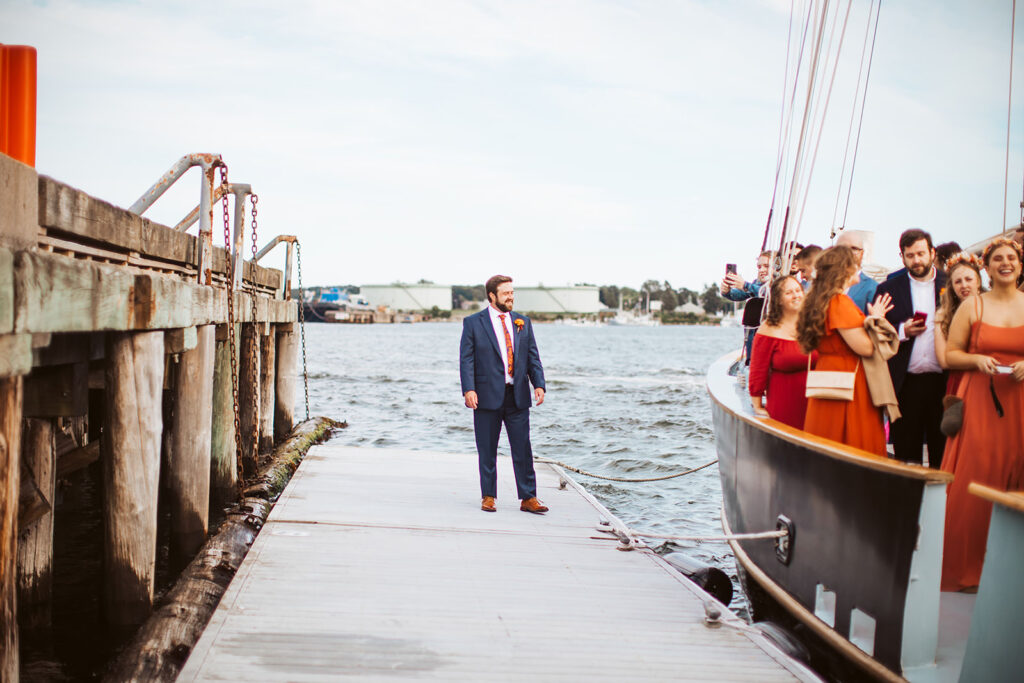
(268, 368)
(15, 354)
(73, 347)
(35, 551)
(77, 458)
(57, 391)
(286, 380)
(6, 291)
(188, 455)
(19, 204)
(10, 484)
(180, 339)
(131, 475)
(223, 463)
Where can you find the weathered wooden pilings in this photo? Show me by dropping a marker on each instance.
(10, 483)
(287, 383)
(131, 474)
(95, 302)
(35, 549)
(249, 397)
(188, 467)
(268, 369)
(223, 464)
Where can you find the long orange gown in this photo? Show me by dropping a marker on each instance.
(988, 449)
(856, 423)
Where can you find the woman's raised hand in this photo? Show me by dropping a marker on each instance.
(881, 305)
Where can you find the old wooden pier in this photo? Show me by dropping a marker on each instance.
(116, 338)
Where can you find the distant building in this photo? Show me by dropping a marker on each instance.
(578, 299)
(690, 307)
(403, 297)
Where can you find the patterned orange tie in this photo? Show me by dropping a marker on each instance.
(508, 342)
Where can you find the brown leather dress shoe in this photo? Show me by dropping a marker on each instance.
(533, 505)
(488, 504)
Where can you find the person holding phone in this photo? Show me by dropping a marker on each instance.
(734, 288)
(917, 376)
(986, 341)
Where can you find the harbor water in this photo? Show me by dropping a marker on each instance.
(626, 402)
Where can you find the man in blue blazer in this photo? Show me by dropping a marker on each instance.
(498, 360)
(917, 375)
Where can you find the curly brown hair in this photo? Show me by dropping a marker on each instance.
(998, 242)
(833, 268)
(949, 300)
(774, 315)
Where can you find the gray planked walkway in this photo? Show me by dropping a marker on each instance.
(379, 565)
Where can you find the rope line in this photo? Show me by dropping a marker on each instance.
(723, 537)
(621, 479)
(1009, 112)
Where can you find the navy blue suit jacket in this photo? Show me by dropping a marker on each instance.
(480, 364)
(898, 287)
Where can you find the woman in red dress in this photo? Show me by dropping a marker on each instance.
(778, 368)
(986, 341)
(831, 324)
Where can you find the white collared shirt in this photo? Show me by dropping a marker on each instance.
(496, 324)
(922, 354)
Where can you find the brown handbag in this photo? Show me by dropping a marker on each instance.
(834, 385)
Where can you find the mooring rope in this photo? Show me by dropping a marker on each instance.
(622, 479)
(723, 537)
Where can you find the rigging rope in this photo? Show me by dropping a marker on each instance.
(860, 123)
(620, 479)
(1009, 110)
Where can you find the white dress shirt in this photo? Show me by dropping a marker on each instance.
(496, 324)
(922, 354)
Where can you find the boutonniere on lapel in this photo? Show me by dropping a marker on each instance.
(519, 324)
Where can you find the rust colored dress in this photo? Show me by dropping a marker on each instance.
(988, 449)
(778, 368)
(856, 423)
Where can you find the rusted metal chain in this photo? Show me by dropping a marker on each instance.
(302, 323)
(622, 479)
(230, 292)
(254, 352)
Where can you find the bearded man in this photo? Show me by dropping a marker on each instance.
(498, 360)
(919, 380)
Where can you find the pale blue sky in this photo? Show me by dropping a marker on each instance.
(555, 141)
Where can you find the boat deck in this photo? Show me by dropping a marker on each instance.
(379, 564)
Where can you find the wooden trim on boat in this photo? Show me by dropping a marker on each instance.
(828, 447)
(862, 659)
(1011, 499)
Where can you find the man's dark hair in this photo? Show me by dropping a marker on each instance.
(492, 285)
(807, 252)
(945, 251)
(913, 235)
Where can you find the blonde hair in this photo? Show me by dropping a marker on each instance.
(949, 300)
(833, 268)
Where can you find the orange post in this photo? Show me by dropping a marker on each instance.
(18, 102)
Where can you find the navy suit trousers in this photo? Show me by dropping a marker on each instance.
(487, 427)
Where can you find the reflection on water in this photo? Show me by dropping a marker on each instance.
(622, 401)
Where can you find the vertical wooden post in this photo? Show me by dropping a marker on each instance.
(35, 551)
(248, 397)
(268, 367)
(287, 382)
(188, 467)
(223, 463)
(10, 485)
(131, 474)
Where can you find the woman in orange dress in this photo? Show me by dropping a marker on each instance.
(831, 324)
(986, 341)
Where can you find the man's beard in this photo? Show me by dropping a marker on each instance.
(920, 270)
(502, 307)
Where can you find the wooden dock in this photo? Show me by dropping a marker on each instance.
(378, 565)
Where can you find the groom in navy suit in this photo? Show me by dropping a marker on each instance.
(498, 360)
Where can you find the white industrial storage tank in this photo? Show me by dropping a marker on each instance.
(540, 299)
(403, 297)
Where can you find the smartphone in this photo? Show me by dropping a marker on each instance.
(730, 268)
(920, 316)
(1004, 369)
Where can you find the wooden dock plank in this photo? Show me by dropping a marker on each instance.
(379, 564)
